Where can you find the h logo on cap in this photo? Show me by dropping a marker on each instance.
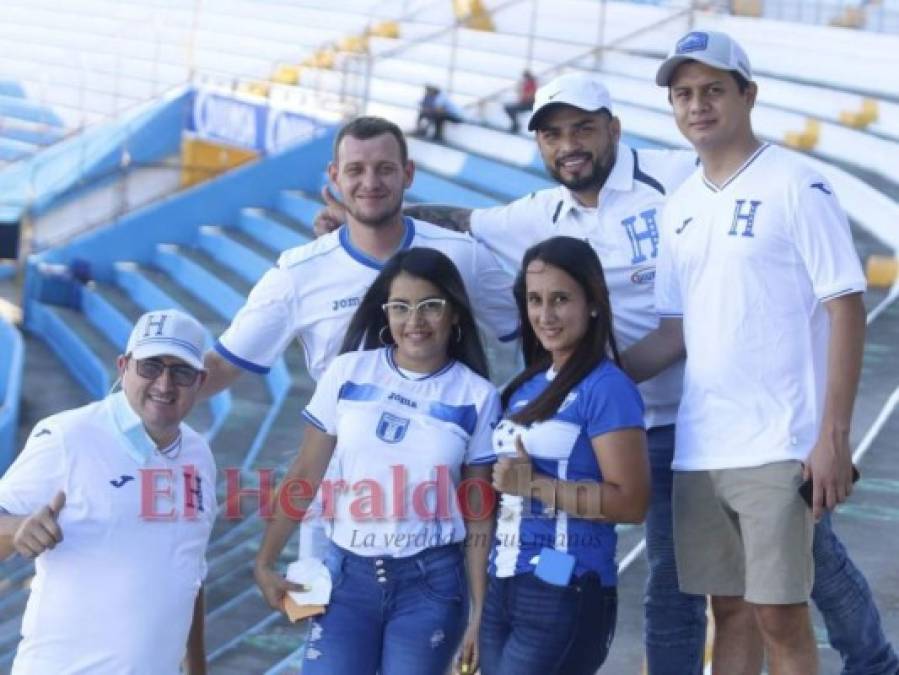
(158, 323)
(692, 42)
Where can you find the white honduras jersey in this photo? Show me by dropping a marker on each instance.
(117, 594)
(401, 444)
(314, 289)
(748, 265)
(624, 231)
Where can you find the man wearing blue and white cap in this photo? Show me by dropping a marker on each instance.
(115, 501)
(758, 267)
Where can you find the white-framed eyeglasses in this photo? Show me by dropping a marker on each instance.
(430, 309)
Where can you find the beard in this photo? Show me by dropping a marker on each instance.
(601, 168)
(379, 219)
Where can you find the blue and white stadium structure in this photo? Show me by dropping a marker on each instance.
(162, 153)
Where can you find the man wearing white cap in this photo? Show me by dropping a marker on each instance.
(758, 279)
(115, 501)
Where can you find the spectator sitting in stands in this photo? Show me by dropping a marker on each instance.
(435, 109)
(526, 90)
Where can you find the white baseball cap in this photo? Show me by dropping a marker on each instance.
(168, 332)
(718, 50)
(581, 90)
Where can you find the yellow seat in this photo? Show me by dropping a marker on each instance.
(323, 58)
(806, 139)
(253, 88)
(472, 14)
(356, 44)
(882, 271)
(869, 112)
(286, 73)
(385, 29)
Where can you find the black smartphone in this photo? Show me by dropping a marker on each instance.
(805, 490)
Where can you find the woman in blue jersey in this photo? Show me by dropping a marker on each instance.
(572, 463)
(407, 420)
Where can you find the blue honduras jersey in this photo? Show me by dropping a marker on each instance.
(605, 400)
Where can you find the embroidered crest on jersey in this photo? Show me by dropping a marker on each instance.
(745, 216)
(391, 428)
(645, 231)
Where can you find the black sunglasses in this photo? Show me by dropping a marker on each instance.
(182, 376)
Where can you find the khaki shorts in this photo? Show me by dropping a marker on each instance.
(744, 532)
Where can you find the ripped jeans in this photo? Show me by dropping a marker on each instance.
(393, 616)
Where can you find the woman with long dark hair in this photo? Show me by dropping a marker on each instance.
(572, 463)
(407, 419)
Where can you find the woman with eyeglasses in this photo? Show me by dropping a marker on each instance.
(408, 422)
(572, 463)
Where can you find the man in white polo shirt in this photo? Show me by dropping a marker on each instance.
(758, 263)
(116, 502)
(612, 196)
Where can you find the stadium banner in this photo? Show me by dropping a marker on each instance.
(266, 129)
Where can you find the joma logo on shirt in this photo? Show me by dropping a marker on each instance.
(644, 275)
(345, 303)
(402, 399)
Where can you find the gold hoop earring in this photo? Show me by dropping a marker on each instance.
(381, 336)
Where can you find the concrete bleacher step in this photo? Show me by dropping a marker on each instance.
(228, 277)
(35, 134)
(229, 623)
(299, 206)
(257, 651)
(283, 441)
(21, 109)
(37, 399)
(218, 244)
(497, 179)
(251, 243)
(97, 342)
(116, 297)
(272, 229)
(11, 150)
(429, 187)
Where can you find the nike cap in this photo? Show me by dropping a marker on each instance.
(580, 90)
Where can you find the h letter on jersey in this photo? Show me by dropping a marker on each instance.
(649, 230)
(748, 218)
(392, 428)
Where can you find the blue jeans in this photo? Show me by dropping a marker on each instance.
(393, 616)
(675, 623)
(844, 599)
(530, 627)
